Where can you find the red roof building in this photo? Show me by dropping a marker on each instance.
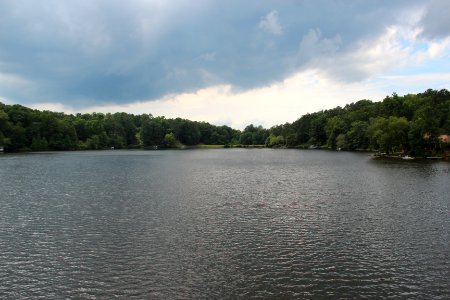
(445, 138)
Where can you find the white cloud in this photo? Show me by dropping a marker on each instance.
(366, 59)
(433, 50)
(271, 24)
(398, 47)
(417, 83)
(379, 55)
(313, 45)
(11, 80)
(57, 107)
(286, 101)
(305, 92)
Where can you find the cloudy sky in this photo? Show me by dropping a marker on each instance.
(226, 62)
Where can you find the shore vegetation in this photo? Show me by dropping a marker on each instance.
(413, 124)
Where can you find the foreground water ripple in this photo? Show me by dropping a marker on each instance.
(222, 224)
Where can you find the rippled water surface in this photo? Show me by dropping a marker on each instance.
(225, 223)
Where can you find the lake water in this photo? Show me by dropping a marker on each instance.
(222, 224)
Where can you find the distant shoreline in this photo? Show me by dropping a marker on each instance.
(417, 125)
(373, 154)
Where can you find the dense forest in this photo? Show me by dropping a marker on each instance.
(416, 124)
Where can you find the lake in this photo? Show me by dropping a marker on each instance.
(223, 224)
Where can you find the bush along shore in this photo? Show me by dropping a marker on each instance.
(413, 125)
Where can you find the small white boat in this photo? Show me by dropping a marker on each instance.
(407, 157)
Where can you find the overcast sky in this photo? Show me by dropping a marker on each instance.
(226, 62)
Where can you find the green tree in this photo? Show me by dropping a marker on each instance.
(358, 135)
(169, 140)
(4, 127)
(152, 133)
(341, 141)
(275, 141)
(39, 144)
(334, 127)
(389, 134)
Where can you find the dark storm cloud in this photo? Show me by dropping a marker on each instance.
(436, 21)
(80, 52)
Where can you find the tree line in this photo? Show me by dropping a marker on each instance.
(411, 124)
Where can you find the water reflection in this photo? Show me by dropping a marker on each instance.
(232, 223)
